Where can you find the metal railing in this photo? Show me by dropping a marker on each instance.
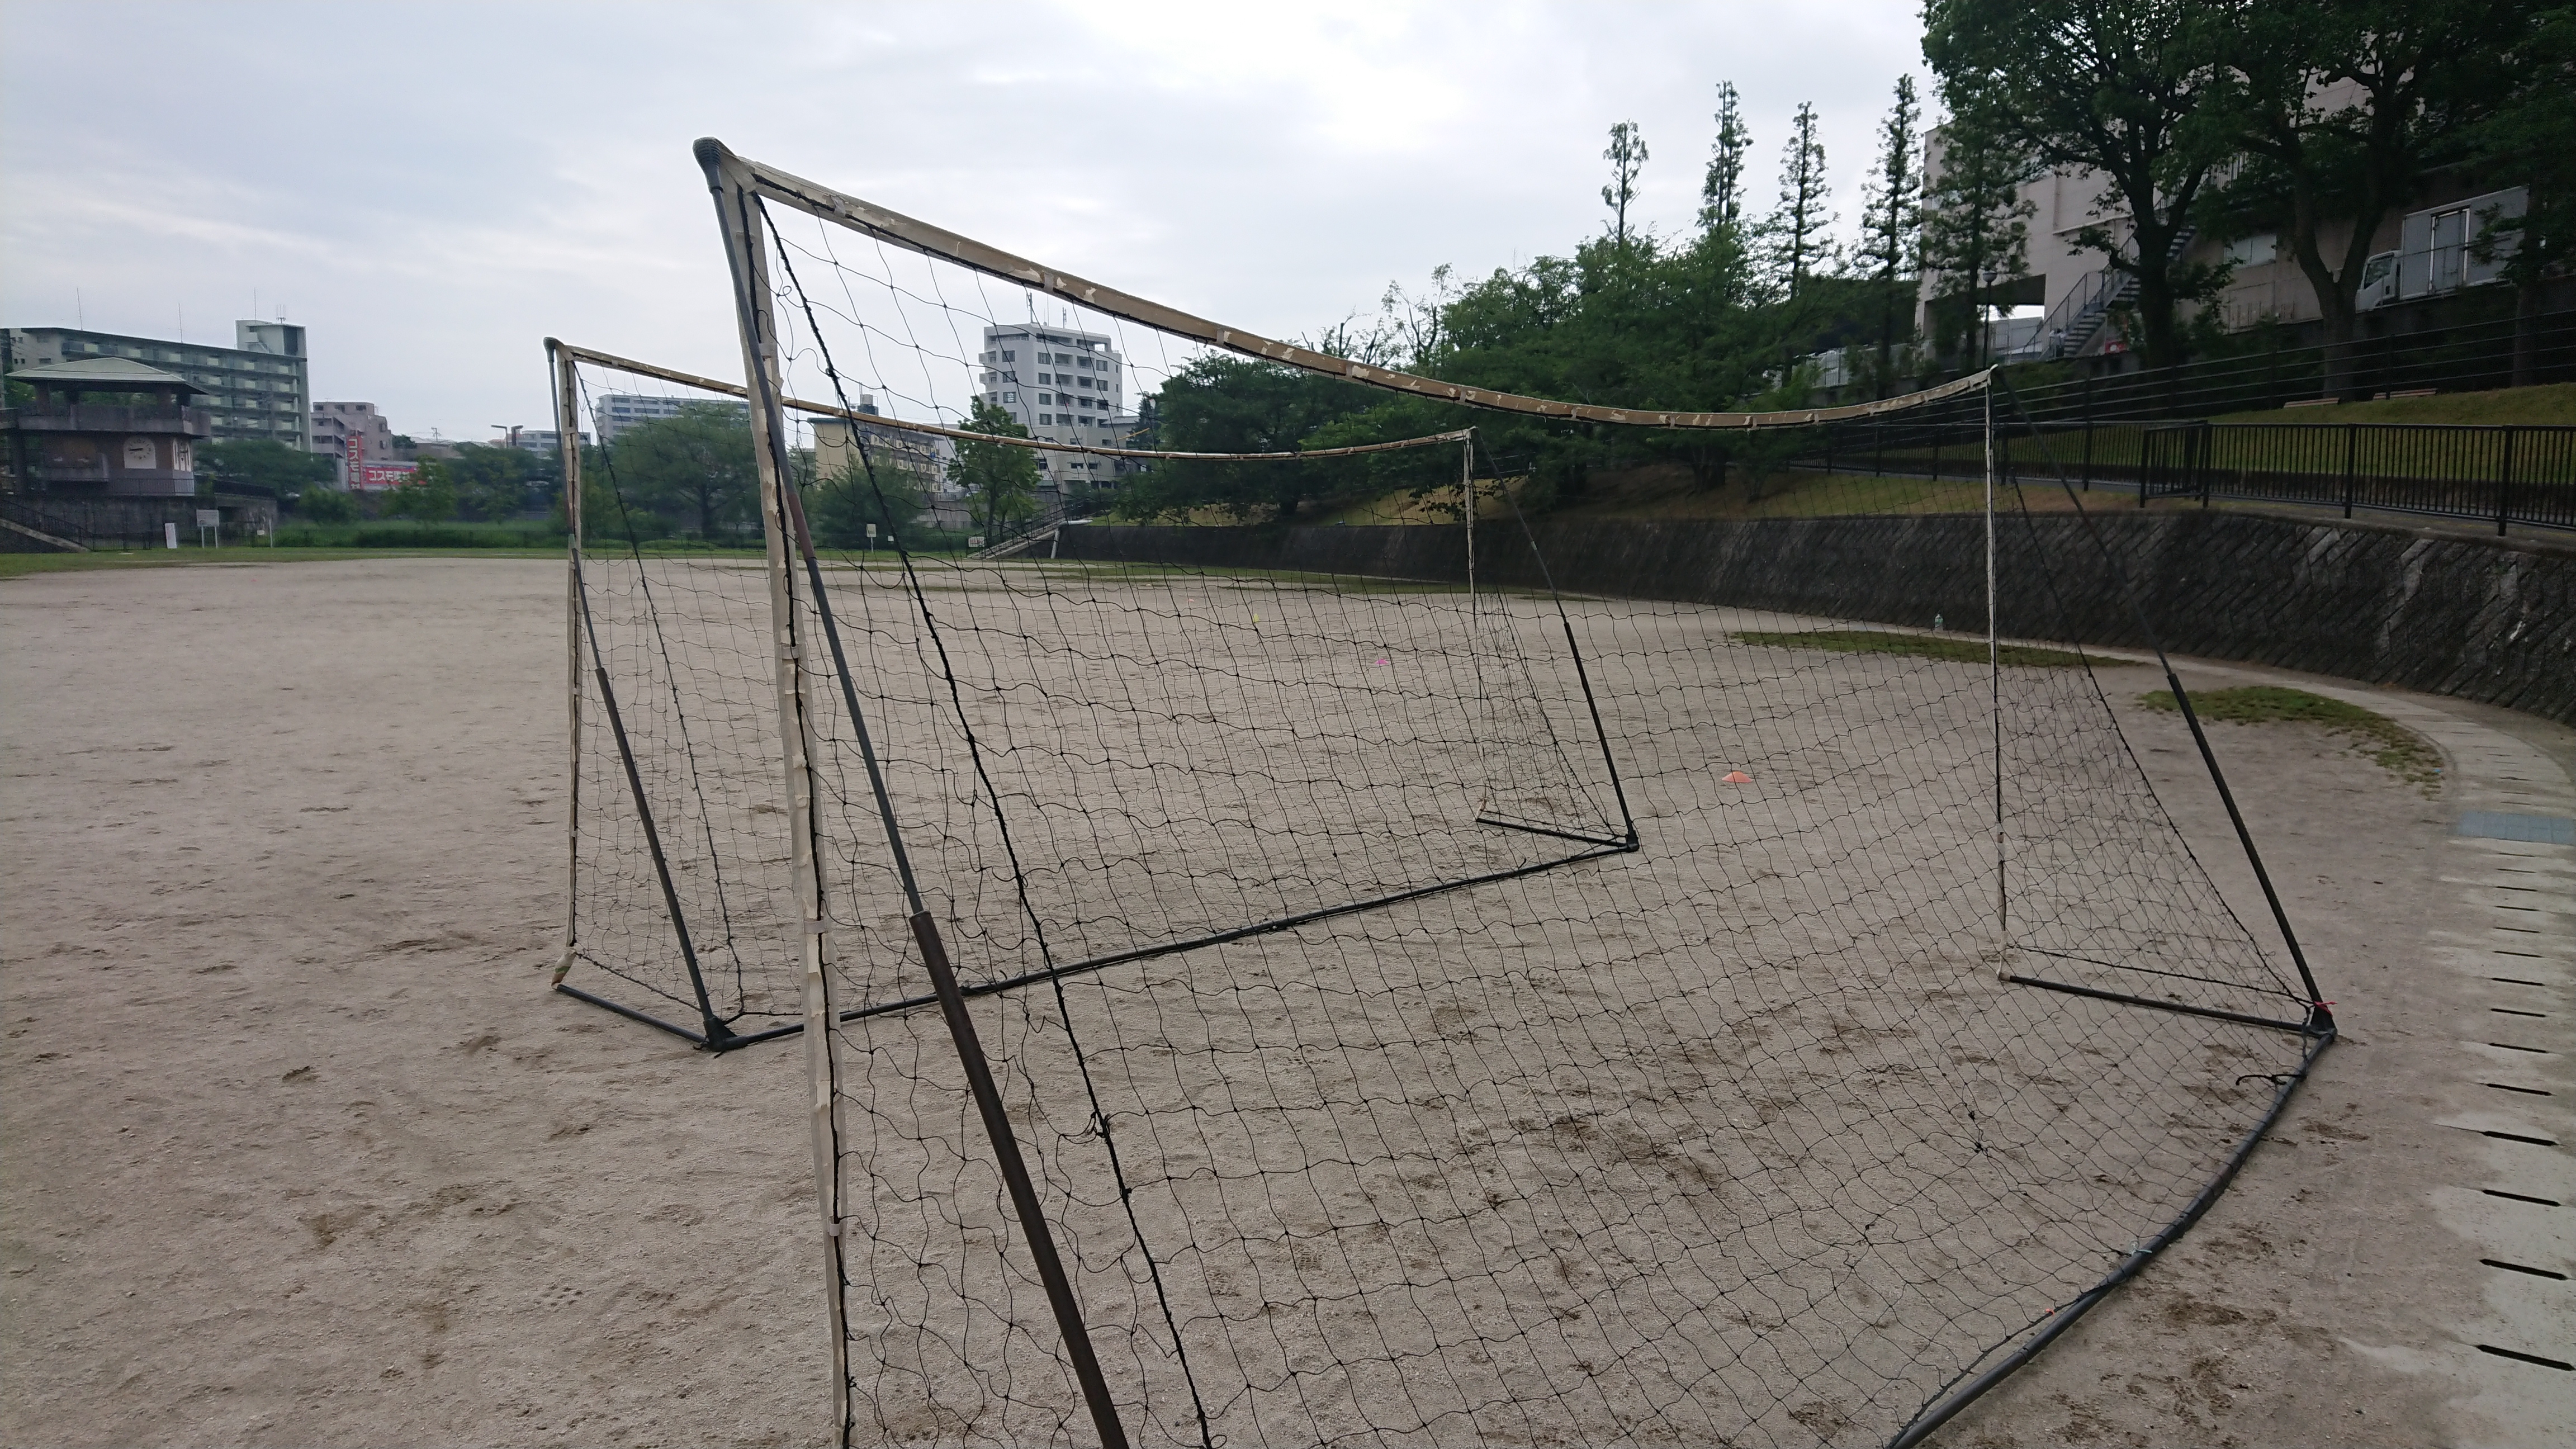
(107, 418)
(2506, 474)
(2511, 474)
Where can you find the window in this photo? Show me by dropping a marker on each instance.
(1046, 420)
(1010, 397)
(1008, 355)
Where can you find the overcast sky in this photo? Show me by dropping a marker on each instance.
(433, 189)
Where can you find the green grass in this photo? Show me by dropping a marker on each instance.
(2401, 751)
(2552, 403)
(1957, 649)
(401, 533)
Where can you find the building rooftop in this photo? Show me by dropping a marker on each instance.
(103, 374)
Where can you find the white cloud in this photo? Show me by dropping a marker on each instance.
(432, 189)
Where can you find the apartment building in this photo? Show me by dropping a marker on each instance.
(2064, 306)
(258, 388)
(1063, 386)
(351, 435)
(613, 413)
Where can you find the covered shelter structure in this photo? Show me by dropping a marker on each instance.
(105, 426)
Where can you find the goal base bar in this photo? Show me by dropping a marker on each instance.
(2061, 1319)
(2242, 1018)
(728, 1042)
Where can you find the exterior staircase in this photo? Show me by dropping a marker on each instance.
(2077, 320)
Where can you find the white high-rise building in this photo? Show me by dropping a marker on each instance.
(1064, 386)
(615, 412)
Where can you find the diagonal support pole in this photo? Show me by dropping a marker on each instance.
(727, 179)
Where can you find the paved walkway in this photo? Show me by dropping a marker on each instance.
(2397, 1269)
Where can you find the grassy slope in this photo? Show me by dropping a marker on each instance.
(2555, 403)
(1954, 648)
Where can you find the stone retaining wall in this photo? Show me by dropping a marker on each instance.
(2489, 620)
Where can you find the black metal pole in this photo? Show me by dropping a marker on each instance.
(1582, 676)
(2088, 434)
(961, 1030)
(2504, 483)
(970, 1051)
(2061, 1319)
(2319, 1018)
(717, 1032)
(2351, 450)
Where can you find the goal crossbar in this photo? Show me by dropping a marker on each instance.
(1035, 445)
(870, 220)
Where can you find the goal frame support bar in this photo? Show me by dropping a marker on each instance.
(2059, 1320)
(783, 523)
(2241, 1018)
(1035, 445)
(896, 229)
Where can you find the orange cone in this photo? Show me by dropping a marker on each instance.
(1738, 777)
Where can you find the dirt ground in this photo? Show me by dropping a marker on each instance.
(299, 1151)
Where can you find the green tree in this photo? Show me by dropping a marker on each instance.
(694, 468)
(2410, 79)
(1627, 157)
(2116, 87)
(1721, 190)
(842, 506)
(1000, 481)
(494, 482)
(262, 463)
(1222, 404)
(430, 496)
(2530, 140)
(1976, 232)
(325, 505)
(1799, 228)
(1892, 220)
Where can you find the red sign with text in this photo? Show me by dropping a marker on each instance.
(379, 477)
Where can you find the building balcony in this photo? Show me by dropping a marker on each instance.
(107, 418)
(114, 482)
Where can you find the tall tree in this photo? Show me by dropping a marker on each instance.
(493, 482)
(1892, 218)
(2343, 105)
(1000, 481)
(1222, 404)
(1798, 229)
(2530, 140)
(1627, 157)
(1976, 230)
(262, 463)
(1721, 191)
(852, 498)
(2114, 87)
(694, 467)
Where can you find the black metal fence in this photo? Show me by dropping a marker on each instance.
(96, 522)
(2505, 475)
(2256, 374)
(2510, 474)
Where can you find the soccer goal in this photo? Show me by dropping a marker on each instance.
(1404, 1004)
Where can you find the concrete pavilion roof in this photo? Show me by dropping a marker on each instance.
(104, 374)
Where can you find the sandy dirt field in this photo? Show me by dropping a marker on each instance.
(299, 1150)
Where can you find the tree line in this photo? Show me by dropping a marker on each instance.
(694, 473)
(2315, 120)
